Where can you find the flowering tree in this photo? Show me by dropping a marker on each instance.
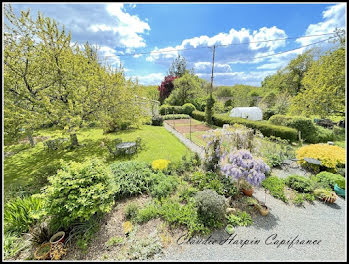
(166, 87)
(240, 165)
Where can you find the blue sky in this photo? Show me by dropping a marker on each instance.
(125, 29)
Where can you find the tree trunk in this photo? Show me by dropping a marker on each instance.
(74, 140)
(30, 138)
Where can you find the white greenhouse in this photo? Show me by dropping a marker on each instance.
(251, 113)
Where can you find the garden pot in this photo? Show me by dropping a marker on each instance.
(229, 229)
(339, 190)
(247, 192)
(263, 210)
(43, 252)
(58, 237)
(329, 199)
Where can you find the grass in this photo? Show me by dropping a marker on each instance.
(28, 165)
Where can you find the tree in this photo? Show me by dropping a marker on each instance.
(166, 87)
(324, 87)
(289, 79)
(178, 67)
(209, 109)
(49, 80)
(186, 88)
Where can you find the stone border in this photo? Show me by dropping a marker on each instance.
(189, 144)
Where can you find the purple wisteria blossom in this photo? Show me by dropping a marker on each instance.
(241, 165)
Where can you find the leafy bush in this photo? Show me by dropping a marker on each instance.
(276, 187)
(175, 116)
(240, 219)
(131, 211)
(198, 115)
(330, 156)
(20, 213)
(173, 212)
(157, 121)
(80, 190)
(131, 177)
(330, 179)
(298, 199)
(211, 207)
(160, 164)
(264, 127)
(171, 109)
(299, 183)
(150, 211)
(188, 108)
(322, 135)
(310, 132)
(207, 180)
(186, 192)
(268, 113)
(162, 185)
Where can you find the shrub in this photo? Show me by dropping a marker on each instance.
(162, 185)
(20, 213)
(209, 110)
(240, 219)
(208, 180)
(171, 109)
(160, 164)
(150, 211)
(299, 183)
(198, 115)
(330, 156)
(157, 120)
(187, 192)
(131, 211)
(175, 116)
(188, 108)
(211, 207)
(276, 187)
(264, 127)
(268, 113)
(80, 190)
(322, 135)
(330, 179)
(241, 165)
(131, 177)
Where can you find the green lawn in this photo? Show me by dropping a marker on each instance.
(34, 163)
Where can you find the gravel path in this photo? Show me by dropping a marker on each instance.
(316, 221)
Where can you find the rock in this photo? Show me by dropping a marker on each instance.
(225, 126)
(230, 210)
(330, 143)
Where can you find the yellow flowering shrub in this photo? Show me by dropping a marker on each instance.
(160, 164)
(330, 156)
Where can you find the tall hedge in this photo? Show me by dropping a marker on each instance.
(309, 131)
(264, 127)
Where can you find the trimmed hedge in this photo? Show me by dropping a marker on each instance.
(263, 126)
(175, 109)
(170, 109)
(198, 115)
(310, 132)
(178, 116)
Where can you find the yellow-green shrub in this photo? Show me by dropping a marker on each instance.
(330, 156)
(160, 164)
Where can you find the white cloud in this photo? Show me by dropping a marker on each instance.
(195, 48)
(207, 67)
(129, 27)
(231, 78)
(333, 17)
(108, 55)
(149, 79)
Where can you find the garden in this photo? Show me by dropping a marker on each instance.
(91, 173)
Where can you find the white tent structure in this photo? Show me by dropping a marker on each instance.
(251, 113)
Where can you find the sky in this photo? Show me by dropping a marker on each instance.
(123, 30)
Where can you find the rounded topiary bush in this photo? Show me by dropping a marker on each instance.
(299, 183)
(188, 108)
(78, 191)
(211, 207)
(330, 179)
